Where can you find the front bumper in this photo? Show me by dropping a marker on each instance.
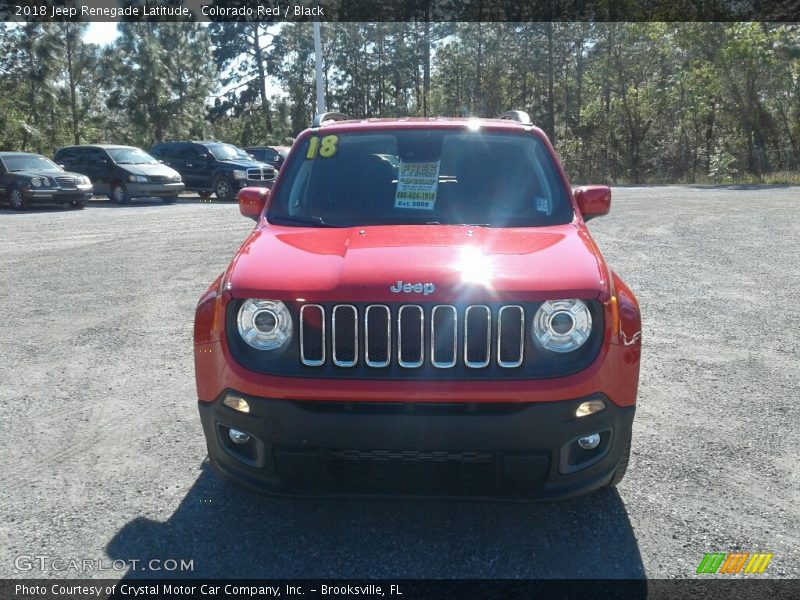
(154, 190)
(240, 184)
(524, 450)
(57, 196)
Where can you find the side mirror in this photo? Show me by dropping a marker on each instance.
(62, 166)
(252, 201)
(593, 200)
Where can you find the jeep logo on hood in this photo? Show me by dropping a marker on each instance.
(408, 288)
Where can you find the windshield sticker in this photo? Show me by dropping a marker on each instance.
(543, 204)
(416, 185)
(326, 149)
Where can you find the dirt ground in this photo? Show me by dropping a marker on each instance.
(102, 454)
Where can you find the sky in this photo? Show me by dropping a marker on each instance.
(101, 33)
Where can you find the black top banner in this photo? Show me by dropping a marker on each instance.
(401, 10)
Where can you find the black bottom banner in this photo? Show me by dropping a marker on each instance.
(401, 589)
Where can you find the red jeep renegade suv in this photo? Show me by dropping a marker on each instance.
(420, 309)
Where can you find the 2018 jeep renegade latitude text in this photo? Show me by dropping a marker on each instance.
(420, 309)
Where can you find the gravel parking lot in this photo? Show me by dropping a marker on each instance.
(103, 456)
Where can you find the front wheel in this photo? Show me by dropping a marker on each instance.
(78, 204)
(15, 198)
(119, 193)
(223, 188)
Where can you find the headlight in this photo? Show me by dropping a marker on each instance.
(137, 178)
(45, 181)
(240, 174)
(85, 180)
(265, 324)
(36, 181)
(562, 325)
(176, 178)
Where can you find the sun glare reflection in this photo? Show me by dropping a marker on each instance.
(475, 267)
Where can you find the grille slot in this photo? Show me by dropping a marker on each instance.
(477, 336)
(444, 336)
(510, 336)
(378, 335)
(410, 336)
(344, 324)
(312, 335)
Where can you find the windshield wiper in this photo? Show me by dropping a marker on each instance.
(310, 220)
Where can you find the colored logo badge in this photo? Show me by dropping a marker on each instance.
(734, 563)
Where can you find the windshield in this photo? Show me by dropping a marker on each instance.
(422, 177)
(29, 162)
(130, 156)
(228, 152)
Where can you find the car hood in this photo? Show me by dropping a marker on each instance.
(461, 262)
(44, 173)
(247, 164)
(158, 170)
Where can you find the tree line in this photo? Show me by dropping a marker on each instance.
(622, 102)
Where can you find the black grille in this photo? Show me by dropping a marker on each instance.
(265, 174)
(418, 339)
(370, 337)
(409, 467)
(67, 183)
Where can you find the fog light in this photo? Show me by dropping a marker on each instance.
(240, 437)
(589, 407)
(590, 442)
(237, 403)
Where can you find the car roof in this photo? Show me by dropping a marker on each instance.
(265, 147)
(426, 123)
(102, 146)
(165, 142)
(9, 153)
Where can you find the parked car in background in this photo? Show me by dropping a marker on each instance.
(274, 155)
(212, 167)
(122, 172)
(26, 178)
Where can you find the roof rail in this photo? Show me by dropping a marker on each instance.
(330, 116)
(520, 116)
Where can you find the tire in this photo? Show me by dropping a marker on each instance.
(119, 193)
(15, 198)
(223, 189)
(622, 466)
(170, 199)
(205, 194)
(78, 204)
